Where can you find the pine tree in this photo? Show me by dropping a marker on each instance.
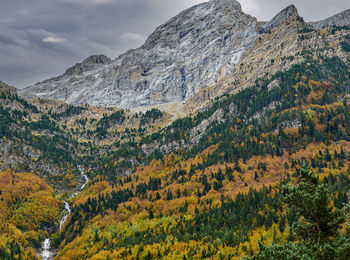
(169, 195)
(318, 226)
(309, 200)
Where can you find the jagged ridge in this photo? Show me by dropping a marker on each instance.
(341, 19)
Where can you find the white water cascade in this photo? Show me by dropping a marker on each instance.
(64, 218)
(46, 250)
(46, 253)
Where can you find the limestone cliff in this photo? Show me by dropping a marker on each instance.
(190, 51)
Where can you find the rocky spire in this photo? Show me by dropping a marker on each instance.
(281, 17)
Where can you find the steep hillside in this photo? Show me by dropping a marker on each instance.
(285, 44)
(31, 141)
(204, 179)
(29, 210)
(219, 196)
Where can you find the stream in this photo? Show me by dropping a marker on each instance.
(46, 253)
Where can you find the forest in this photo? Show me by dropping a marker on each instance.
(262, 173)
(225, 196)
(28, 207)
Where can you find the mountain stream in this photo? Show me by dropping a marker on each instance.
(46, 253)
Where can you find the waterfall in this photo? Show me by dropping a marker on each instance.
(46, 254)
(64, 218)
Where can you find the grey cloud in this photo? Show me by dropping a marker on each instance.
(4, 39)
(41, 39)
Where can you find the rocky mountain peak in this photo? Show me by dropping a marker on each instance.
(193, 50)
(280, 18)
(88, 64)
(341, 19)
(97, 59)
(191, 21)
(227, 5)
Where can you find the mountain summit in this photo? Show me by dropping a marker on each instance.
(282, 16)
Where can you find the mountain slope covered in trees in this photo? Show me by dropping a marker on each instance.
(221, 196)
(29, 210)
(261, 171)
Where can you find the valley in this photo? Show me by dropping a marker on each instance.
(46, 253)
(207, 167)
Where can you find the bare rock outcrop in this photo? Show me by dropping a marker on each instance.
(341, 19)
(279, 19)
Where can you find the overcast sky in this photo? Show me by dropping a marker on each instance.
(42, 38)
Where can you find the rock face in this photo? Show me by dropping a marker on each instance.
(341, 19)
(280, 18)
(277, 49)
(90, 63)
(190, 51)
(197, 48)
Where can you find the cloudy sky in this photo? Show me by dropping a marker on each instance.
(42, 38)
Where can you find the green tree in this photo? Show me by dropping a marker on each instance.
(318, 226)
(310, 201)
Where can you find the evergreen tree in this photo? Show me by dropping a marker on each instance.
(169, 195)
(309, 200)
(318, 226)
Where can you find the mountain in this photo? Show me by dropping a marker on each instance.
(282, 43)
(187, 53)
(209, 185)
(341, 19)
(279, 19)
(255, 165)
(190, 52)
